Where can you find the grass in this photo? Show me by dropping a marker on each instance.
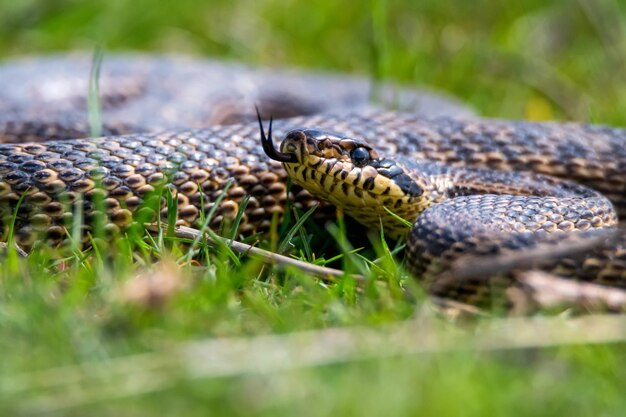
(99, 310)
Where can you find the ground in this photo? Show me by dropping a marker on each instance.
(89, 335)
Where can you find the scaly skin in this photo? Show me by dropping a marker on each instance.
(147, 95)
(458, 211)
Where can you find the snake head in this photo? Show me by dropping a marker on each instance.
(350, 173)
(307, 145)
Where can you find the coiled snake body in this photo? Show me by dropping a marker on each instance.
(458, 173)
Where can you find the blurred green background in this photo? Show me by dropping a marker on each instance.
(532, 59)
(535, 59)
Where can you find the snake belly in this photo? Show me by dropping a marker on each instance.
(110, 178)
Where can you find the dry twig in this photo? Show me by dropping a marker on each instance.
(544, 290)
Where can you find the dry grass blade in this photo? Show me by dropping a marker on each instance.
(4, 247)
(322, 272)
(152, 288)
(545, 290)
(456, 310)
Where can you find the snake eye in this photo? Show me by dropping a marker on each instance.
(360, 156)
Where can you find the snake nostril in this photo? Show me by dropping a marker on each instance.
(289, 148)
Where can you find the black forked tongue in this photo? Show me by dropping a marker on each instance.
(268, 144)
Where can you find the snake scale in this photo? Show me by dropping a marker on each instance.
(474, 185)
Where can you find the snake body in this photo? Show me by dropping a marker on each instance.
(564, 176)
(458, 210)
(45, 98)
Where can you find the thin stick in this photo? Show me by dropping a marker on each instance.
(548, 290)
(458, 308)
(325, 273)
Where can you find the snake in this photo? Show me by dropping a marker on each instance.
(187, 125)
(452, 212)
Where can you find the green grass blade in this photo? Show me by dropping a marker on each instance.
(292, 232)
(93, 98)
